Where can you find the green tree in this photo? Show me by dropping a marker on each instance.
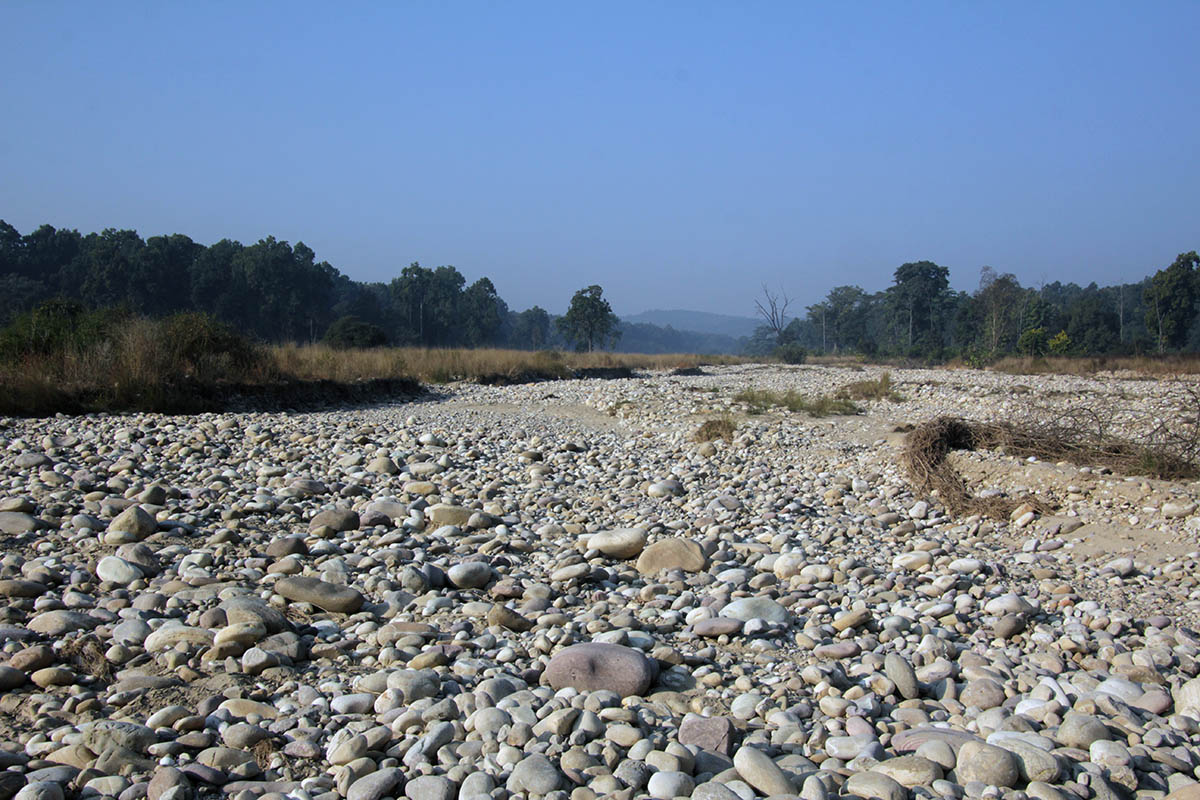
(916, 300)
(1032, 342)
(1001, 301)
(531, 330)
(1171, 301)
(348, 332)
(481, 313)
(589, 322)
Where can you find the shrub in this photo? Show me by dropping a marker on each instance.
(351, 332)
(791, 353)
(719, 428)
(880, 389)
(824, 405)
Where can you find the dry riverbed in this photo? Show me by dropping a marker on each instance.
(552, 590)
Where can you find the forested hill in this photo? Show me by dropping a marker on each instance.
(281, 292)
(734, 327)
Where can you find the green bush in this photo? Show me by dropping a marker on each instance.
(202, 347)
(791, 353)
(351, 332)
(58, 326)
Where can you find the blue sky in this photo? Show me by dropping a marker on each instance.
(678, 154)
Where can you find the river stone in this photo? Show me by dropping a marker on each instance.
(983, 693)
(994, 766)
(59, 622)
(1176, 509)
(707, 733)
(901, 673)
(875, 784)
(322, 594)
(444, 514)
(337, 519)
(118, 570)
(470, 574)
(909, 740)
(20, 588)
(100, 735)
(376, 785)
(431, 787)
(165, 779)
(595, 666)
(757, 769)
(247, 609)
(534, 774)
(11, 678)
(134, 520)
(1008, 626)
(40, 790)
(669, 784)
(910, 771)
(15, 523)
(748, 608)
(1080, 730)
(1187, 697)
(619, 542)
(717, 626)
(667, 554)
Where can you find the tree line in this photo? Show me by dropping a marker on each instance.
(920, 316)
(277, 292)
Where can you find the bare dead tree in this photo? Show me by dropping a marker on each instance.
(773, 309)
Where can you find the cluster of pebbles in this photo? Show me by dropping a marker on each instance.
(553, 591)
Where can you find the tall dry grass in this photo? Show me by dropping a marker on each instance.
(444, 365)
(1151, 365)
(190, 363)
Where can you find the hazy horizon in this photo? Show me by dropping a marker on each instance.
(678, 156)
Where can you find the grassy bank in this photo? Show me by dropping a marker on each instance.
(62, 358)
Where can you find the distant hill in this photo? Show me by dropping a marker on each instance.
(700, 321)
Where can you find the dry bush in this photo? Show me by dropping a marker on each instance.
(1078, 435)
(880, 389)
(824, 405)
(718, 428)
(86, 654)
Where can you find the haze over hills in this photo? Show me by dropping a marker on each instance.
(700, 321)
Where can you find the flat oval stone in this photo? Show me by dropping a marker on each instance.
(322, 594)
(619, 543)
(594, 666)
(666, 554)
(748, 608)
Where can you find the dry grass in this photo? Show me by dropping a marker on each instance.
(1078, 436)
(717, 428)
(879, 389)
(444, 365)
(1172, 364)
(761, 400)
(86, 654)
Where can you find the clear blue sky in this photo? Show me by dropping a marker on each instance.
(678, 154)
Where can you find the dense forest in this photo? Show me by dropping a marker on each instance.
(919, 316)
(276, 291)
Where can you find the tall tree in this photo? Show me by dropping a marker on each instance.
(480, 313)
(1001, 301)
(919, 291)
(589, 322)
(1171, 301)
(531, 329)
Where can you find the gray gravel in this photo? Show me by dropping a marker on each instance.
(553, 591)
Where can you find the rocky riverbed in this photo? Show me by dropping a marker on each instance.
(553, 590)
